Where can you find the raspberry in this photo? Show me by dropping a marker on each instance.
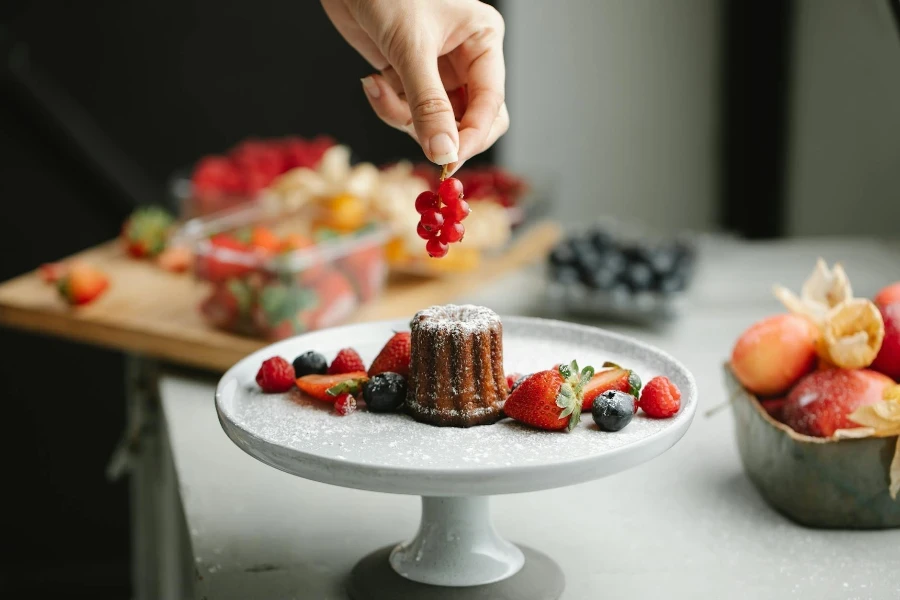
(346, 361)
(661, 398)
(436, 248)
(427, 201)
(345, 404)
(275, 375)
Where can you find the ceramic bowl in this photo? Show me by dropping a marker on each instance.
(813, 481)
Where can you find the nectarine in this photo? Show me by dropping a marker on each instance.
(774, 353)
(888, 359)
(888, 295)
(819, 404)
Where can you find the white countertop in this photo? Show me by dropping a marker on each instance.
(687, 524)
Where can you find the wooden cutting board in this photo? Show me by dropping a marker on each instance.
(153, 312)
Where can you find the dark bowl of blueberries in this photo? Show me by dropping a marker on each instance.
(603, 274)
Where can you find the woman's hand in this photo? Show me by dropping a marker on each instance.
(423, 48)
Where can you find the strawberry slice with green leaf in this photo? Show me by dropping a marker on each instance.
(613, 377)
(327, 388)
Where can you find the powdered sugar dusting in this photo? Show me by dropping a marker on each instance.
(466, 318)
(301, 427)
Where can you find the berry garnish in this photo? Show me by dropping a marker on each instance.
(275, 375)
(432, 220)
(450, 190)
(613, 377)
(612, 410)
(329, 387)
(423, 233)
(394, 357)
(661, 398)
(346, 361)
(550, 399)
(453, 232)
(456, 212)
(427, 201)
(385, 392)
(436, 248)
(310, 363)
(345, 404)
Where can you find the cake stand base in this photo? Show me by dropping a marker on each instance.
(456, 554)
(373, 578)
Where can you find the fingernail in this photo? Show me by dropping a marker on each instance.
(370, 87)
(443, 150)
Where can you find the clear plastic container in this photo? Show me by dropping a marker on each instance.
(273, 274)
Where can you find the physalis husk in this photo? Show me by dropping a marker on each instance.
(882, 419)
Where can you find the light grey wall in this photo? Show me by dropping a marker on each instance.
(844, 169)
(618, 100)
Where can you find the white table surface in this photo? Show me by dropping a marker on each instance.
(688, 524)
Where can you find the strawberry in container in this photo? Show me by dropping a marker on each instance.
(275, 274)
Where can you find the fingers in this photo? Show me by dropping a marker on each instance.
(432, 113)
(485, 114)
(388, 105)
(349, 28)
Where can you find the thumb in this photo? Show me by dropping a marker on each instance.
(432, 112)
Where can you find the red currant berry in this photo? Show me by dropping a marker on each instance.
(450, 190)
(422, 232)
(453, 232)
(456, 212)
(436, 248)
(432, 220)
(427, 201)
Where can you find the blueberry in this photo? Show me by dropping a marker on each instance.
(637, 254)
(310, 363)
(582, 248)
(612, 260)
(613, 410)
(602, 240)
(663, 260)
(385, 392)
(601, 279)
(565, 274)
(562, 255)
(638, 277)
(671, 283)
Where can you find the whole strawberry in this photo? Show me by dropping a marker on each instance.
(346, 361)
(146, 231)
(551, 399)
(82, 283)
(394, 357)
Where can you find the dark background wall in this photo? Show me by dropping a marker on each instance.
(164, 82)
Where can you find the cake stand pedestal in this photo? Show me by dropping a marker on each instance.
(456, 554)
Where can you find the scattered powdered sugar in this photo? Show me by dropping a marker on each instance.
(308, 427)
(453, 412)
(458, 317)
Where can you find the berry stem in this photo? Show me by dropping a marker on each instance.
(445, 172)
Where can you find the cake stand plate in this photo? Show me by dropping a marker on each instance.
(457, 553)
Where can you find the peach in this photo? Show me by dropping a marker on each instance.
(888, 359)
(888, 295)
(819, 404)
(773, 354)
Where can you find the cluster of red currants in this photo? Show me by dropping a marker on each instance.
(442, 225)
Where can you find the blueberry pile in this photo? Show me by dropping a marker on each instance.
(600, 262)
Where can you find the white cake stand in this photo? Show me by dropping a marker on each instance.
(457, 553)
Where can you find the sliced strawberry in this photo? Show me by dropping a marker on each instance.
(613, 378)
(346, 361)
(328, 387)
(394, 357)
(550, 399)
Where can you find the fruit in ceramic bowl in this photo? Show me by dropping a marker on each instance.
(774, 353)
(888, 359)
(819, 404)
(888, 295)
